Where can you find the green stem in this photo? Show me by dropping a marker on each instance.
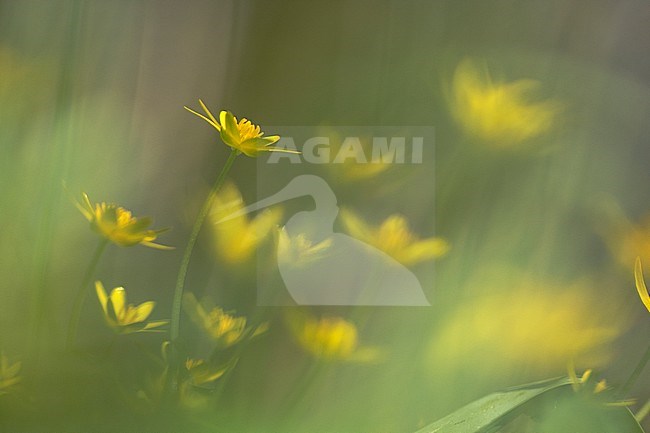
(175, 324)
(300, 393)
(83, 292)
(635, 374)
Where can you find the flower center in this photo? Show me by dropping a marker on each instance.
(247, 130)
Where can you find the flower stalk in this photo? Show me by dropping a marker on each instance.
(635, 373)
(82, 292)
(187, 254)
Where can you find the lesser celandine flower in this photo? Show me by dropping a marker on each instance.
(195, 389)
(224, 328)
(640, 284)
(352, 158)
(125, 318)
(330, 338)
(534, 327)
(9, 374)
(500, 113)
(236, 239)
(394, 237)
(626, 239)
(118, 225)
(300, 250)
(241, 135)
(202, 373)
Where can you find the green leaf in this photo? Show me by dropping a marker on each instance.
(549, 403)
(480, 414)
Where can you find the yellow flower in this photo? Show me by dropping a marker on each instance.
(330, 338)
(8, 374)
(500, 113)
(640, 283)
(202, 373)
(300, 250)
(125, 318)
(223, 328)
(358, 164)
(118, 225)
(241, 135)
(532, 327)
(395, 238)
(236, 239)
(195, 389)
(626, 239)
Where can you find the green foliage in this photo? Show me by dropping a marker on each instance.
(550, 406)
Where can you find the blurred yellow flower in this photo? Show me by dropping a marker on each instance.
(236, 239)
(202, 373)
(531, 327)
(241, 135)
(352, 172)
(395, 238)
(118, 225)
(300, 250)
(640, 284)
(8, 374)
(195, 389)
(625, 239)
(330, 338)
(358, 163)
(125, 318)
(223, 328)
(500, 113)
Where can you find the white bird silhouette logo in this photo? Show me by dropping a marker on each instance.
(321, 267)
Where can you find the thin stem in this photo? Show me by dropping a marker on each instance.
(636, 373)
(643, 412)
(175, 324)
(300, 393)
(83, 292)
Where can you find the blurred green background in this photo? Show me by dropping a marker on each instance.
(541, 233)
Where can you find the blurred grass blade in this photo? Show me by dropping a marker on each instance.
(490, 413)
(483, 413)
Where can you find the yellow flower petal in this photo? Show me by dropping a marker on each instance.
(155, 324)
(242, 135)
(329, 338)
(640, 283)
(101, 295)
(118, 301)
(143, 311)
(395, 238)
(500, 113)
(85, 207)
(355, 225)
(224, 328)
(236, 240)
(118, 225)
(209, 113)
(425, 250)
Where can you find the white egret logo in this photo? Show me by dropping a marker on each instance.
(321, 267)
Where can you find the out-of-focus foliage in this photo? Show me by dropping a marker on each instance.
(9, 374)
(92, 95)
